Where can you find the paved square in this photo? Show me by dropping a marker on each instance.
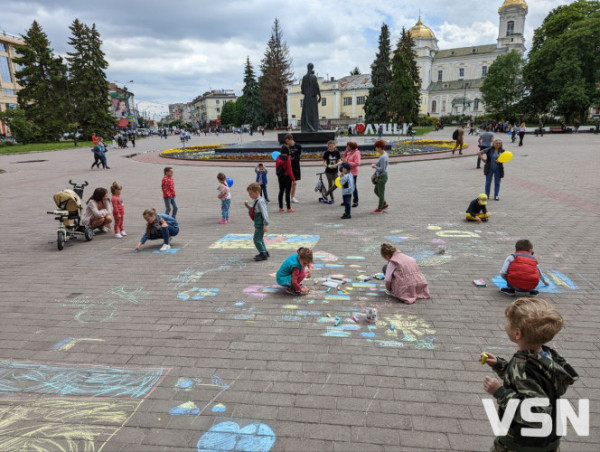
(198, 349)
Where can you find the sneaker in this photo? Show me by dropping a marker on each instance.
(355, 204)
(223, 221)
(291, 210)
(227, 221)
(342, 204)
(534, 292)
(118, 236)
(123, 233)
(261, 257)
(508, 291)
(329, 202)
(292, 291)
(281, 210)
(345, 217)
(165, 247)
(108, 167)
(295, 201)
(105, 229)
(497, 198)
(322, 200)
(377, 211)
(385, 206)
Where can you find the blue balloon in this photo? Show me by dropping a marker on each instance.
(275, 154)
(230, 181)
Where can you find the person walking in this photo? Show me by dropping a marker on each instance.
(381, 175)
(522, 130)
(492, 168)
(485, 141)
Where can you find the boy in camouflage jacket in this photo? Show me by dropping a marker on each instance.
(535, 371)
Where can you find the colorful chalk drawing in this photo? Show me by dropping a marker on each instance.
(76, 408)
(189, 383)
(191, 275)
(324, 256)
(170, 251)
(272, 241)
(185, 409)
(103, 307)
(219, 408)
(197, 293)
(329, 225)
(226, 435)
(559, 282)
(69, 343)
(261, 292)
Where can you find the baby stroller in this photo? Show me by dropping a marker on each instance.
(69, 214)
(321, 188)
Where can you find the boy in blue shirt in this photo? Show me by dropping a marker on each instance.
(477, 210)
(347, 183)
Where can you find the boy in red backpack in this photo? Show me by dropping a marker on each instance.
(521, 270)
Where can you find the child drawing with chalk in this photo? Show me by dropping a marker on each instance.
(260, 215)
(159, 226)
(291, 273)
(224, 194)
(477, 210)
(521, 270)
(534, 372)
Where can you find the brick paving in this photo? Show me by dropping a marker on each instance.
(99, 344)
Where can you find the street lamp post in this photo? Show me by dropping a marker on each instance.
(465, 86)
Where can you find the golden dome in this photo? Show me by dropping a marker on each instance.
(508, 3)
(421, 31)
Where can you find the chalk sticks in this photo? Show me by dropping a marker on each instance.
(337, 321)
(355, 319)
(484, 357)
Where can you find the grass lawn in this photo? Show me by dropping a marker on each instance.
(41, 147)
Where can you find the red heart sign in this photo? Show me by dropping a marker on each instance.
(360, 128)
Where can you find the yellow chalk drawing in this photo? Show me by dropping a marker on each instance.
(557, 281)
(64, 425)
(408, 328)
(71, 343)
(290, 306)
(273, 241)
(456, 233)
(433, 228)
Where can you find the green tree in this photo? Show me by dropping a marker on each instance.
(276, 75)
(377, 108)
(503, 86)
(21, 129)
(43, 87)
(562, 74)
(405, 90)
(251, 112)
(88, 85)
(229, 114)
(355, 71)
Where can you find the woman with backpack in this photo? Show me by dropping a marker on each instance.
(458, 135)
(285, 176)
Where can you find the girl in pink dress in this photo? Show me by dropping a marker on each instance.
(402, 275)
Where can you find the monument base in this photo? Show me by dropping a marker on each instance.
(308, 137)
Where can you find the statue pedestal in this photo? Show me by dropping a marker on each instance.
(308, 137)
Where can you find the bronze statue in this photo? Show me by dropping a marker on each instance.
(309, 121)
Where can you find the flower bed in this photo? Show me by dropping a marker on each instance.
(212, 152)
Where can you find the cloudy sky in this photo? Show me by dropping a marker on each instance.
(175, 50)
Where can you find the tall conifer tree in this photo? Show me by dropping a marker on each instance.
(251, 105)
(88, 84)
(405, 90)
(276, 75)
(42, 95)
(377, 103)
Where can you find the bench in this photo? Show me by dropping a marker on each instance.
(560, 130)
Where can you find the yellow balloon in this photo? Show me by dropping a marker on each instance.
(337, 182)
(506, 156)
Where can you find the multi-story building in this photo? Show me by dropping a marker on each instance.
(451, 78)
(208, 107)
(8, 81)
(342, 100)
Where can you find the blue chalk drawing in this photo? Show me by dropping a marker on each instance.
(395, 238)
(63, 342)
(187, 383)
(367, 334)
(333, 331)
(171, 251)
(240, 303)
(309, 313)
(242, 317)
(350, 327)
(334, 266)
(187, 408)
(198, 293)
(219, 408)
(356, 258)
(558, 281)
(91, 381)
(228, 436)
(291, 318)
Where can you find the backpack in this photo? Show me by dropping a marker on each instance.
(281, 168)
(455, 135)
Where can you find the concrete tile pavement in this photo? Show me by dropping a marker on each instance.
(245, 354)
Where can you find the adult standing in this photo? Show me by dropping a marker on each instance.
(492, 168)
(485, 141)
(352, 157)
(285, 176)
(459, 140)
(381, 173)
(309, 121)
(295, 156)
(541, 128)
(522, 130)
(380, 131)
(98, 210)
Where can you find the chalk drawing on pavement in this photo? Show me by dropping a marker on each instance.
(226, 435)
(69, 343)
(273, 241)
(559, 282)
(184, 409)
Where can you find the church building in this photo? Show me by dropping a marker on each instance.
(451, 78)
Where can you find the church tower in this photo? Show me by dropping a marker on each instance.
(425, 48)
(512, 25)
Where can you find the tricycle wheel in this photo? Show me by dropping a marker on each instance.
(60, 240)
(89, 234)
